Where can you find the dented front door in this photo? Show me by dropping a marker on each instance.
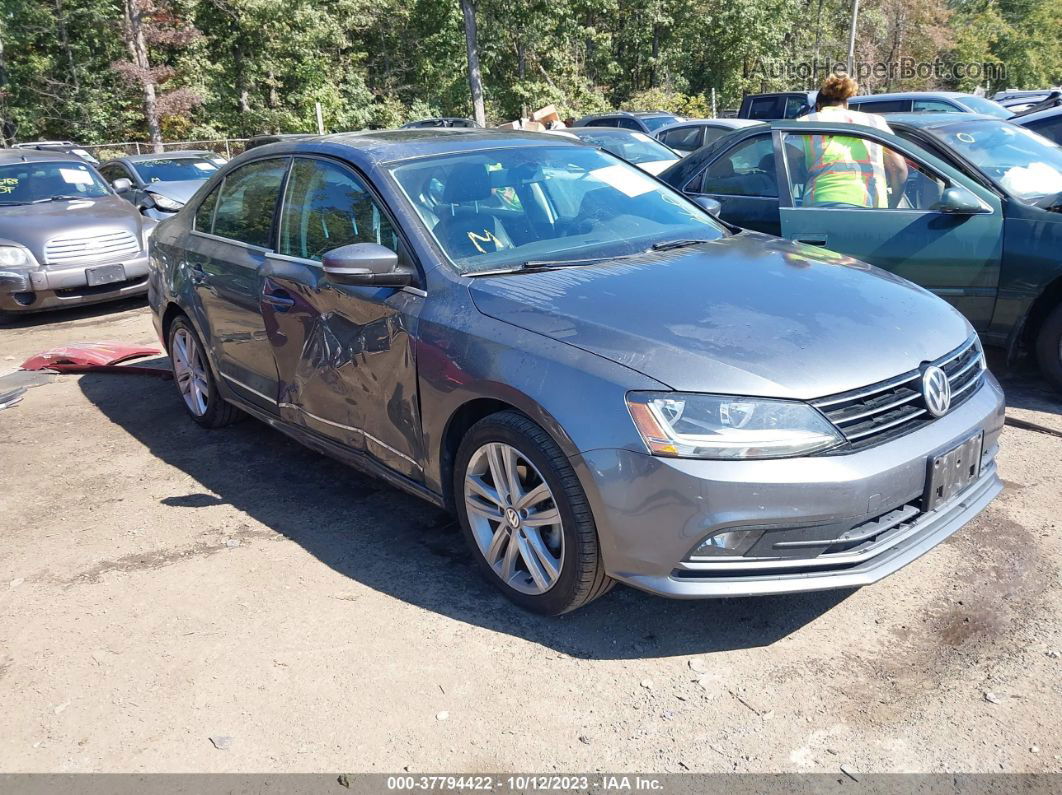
(345, 360)
(344, 353)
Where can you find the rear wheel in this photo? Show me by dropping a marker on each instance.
(525, 516)
(1049, 348)
(194, 379)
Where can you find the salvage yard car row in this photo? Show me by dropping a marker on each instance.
(606, 376)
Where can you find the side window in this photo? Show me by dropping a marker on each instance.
(795, 106)
(204, 216)
(602, 123)
(248, 202)
(883, 106)
(684, 139)
(628, 124)
(713, 134)
(326, 207)
(745, 170)
(1048, 128)
(765, 108)
(934, 106)
(847, 171)
(113, 172)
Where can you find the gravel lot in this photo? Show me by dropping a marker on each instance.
(162, 585)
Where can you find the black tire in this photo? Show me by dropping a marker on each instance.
(1049, 348)
(219, 412)
(582, 576)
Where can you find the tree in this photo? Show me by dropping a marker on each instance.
(475, 79)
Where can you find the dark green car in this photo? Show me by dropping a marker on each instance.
(980, 222)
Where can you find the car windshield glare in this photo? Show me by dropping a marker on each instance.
(24, 183)
(175, 169)
(504, 207)
(634, 148)
(987, 106)
(1022, 163)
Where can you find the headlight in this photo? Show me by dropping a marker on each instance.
(164, 203)
(682, 425)
(16, 257)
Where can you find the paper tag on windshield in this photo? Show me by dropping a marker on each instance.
(625, 179)
(73, 176)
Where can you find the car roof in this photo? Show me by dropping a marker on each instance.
(386, 146)
(175, 154)
(9, 156)
(941, 119)
(910, 95)
(733, 124)
(634, 114)
(1040, 114)
(616, 132)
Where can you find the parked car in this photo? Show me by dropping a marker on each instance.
(648, 121)
(979, 224)
(440, 121)
(65, 237)
(635, 147)
(777, 105)
(1047, 123)
(67, 147)
(160, 183)
(601, 381)
(928, 102)
(689, 136)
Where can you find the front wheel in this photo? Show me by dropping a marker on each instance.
(1049, 348)
(526, 517)
(195, 380)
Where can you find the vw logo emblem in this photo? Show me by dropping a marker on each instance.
(936, 389)
(512, 517)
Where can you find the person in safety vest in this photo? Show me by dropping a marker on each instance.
(844, 171)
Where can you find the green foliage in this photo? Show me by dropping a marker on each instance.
(260, 66)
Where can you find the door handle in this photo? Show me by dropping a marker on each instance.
(279, 299)
(812, 241)
(198, 272)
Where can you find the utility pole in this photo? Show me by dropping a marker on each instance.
(475, 79)
(852, 37)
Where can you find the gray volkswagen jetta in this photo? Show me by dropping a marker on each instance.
(65, 237)
(601, 381)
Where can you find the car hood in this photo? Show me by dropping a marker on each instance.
(749, 314)
(33, 225)
(180, 191)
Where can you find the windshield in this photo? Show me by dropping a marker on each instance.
(24, 183)
(175, 169)
(506, 207)
(634, 148)
(987, 106)
(654, 123)
(1022, 163)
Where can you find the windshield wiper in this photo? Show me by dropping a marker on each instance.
(59, 197)
(667, 245)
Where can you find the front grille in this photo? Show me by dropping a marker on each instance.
(888, 409)
(105, 247)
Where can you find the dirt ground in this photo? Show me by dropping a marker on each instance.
(162, 585)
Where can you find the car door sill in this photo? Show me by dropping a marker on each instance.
(355, 458)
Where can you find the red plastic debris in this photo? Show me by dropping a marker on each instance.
(87, 357)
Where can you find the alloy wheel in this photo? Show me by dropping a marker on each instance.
(189, 370)
(514, 518)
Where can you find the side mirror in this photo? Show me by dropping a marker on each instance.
(958, 201)
(710, 206)
(368, 264)
(122, 185)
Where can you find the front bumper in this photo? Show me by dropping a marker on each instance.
(55, 287)
(651, 512)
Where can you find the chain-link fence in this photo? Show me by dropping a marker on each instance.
(229, 147)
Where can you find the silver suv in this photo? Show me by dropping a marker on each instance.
(65, 237)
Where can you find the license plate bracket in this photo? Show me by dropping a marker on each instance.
(950, 472)
(105, 274)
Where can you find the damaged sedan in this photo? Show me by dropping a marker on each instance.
(602, 381)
